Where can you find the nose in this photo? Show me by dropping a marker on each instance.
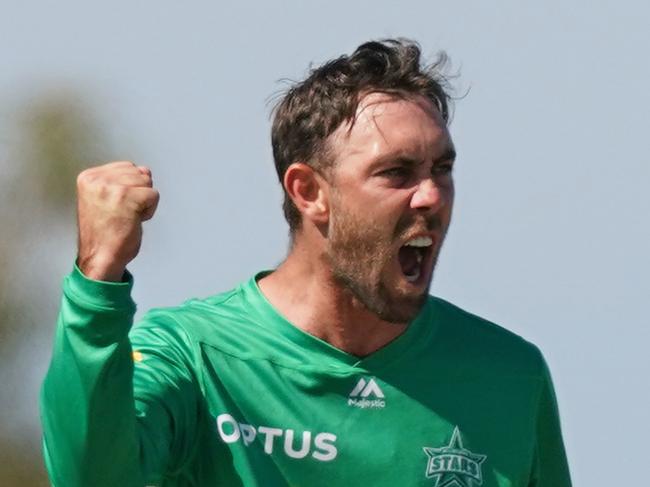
(428, 196)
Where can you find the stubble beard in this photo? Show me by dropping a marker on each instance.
(359, 254)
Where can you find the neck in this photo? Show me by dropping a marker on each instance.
(303, 290)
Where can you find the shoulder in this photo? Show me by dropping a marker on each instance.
(484, 343)
(230, 317)
(194, 312)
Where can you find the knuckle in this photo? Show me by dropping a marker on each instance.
(114, 196)
(120, 192)
(85, 178)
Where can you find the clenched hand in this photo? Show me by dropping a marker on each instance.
(112, 202)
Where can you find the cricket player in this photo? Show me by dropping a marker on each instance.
(335, 369)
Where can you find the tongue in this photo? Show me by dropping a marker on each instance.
(408, 259)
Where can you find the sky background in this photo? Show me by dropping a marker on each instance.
(551, 231)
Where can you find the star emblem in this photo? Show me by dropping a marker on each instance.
(453, 465)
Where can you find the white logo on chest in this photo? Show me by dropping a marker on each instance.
(366, 394)
(453, 464)
(324, 449)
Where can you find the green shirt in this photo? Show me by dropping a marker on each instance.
(224, 391)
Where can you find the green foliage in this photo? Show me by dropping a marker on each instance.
(56, 136)
(59, 138)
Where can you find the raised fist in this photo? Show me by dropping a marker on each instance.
(112, 202)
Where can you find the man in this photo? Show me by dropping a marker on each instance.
(337, 368)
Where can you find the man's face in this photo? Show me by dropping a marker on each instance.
(391, 198)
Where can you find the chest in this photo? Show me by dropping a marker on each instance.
(420, 423)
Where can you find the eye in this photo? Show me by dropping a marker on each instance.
(396, 176)
(395, 172)
(442, 169)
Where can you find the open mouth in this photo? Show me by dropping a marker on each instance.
(414, 257)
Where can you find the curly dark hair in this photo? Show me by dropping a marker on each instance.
(311, 110)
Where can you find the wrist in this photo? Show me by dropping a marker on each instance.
(98, 269)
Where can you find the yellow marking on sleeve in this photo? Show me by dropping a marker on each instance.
(137, 356)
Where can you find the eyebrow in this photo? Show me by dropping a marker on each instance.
(448, 155)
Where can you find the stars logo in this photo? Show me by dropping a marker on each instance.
(453, 465)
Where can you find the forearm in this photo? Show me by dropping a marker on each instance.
(87, 405)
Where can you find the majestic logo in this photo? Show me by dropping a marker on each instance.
(366, 394)
(453, 465)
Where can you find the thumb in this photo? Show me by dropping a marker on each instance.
(147, 202)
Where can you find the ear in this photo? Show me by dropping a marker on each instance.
(309, 192)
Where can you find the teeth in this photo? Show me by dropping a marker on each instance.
(413, 277)
(420, 242)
